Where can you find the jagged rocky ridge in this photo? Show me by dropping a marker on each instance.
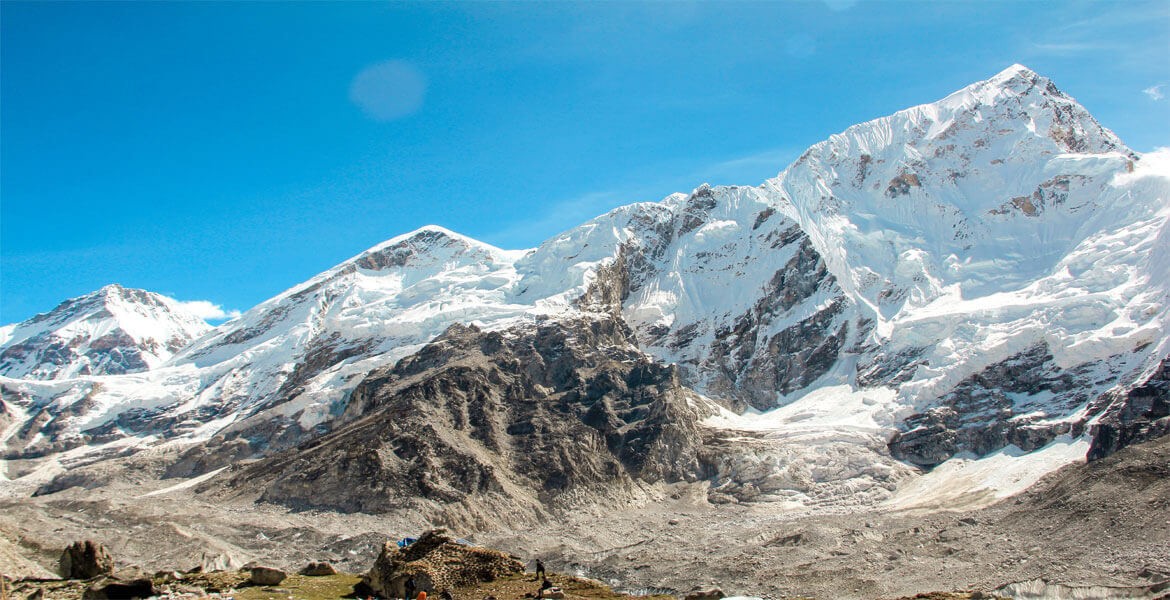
(986, 270)
(501, 422)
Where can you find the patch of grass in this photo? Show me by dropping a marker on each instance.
(301, 587)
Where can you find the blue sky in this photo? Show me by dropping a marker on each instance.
(227, 151)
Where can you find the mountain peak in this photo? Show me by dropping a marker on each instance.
(108, 331)
(427, 231)
(424, 237)
(1015, 72)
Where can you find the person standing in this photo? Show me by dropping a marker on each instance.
(540, 574)
(410, 587)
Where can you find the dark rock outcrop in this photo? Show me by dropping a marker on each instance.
(1009, 402)
(318, 569)
(711, 594)
(266, 576)
(749, 364)
(436, 562)
(85, 559)
(537, 412)
(120, 589)
(1137, 415)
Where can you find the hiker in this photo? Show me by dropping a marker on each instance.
(410, 586)
(540, 574)
(544, 586)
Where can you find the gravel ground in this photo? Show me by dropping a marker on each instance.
(1105, 523)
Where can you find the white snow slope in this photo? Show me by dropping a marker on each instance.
(901, 261)
(998, 218)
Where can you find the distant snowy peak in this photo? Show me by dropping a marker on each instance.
(111, 331)
(377, 305)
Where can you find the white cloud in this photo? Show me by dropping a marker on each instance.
(208, 311)
(1154, 92)
(388, 90)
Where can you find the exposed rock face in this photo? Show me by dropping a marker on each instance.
(720, 284)
(1009, 402)
(1013, 402)
(1142, 413)
(85, 559)
(524, 416)
(436, 562)
(267, 576)
(318, 569)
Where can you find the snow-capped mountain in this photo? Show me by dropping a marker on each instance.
(111, 331)
(987, 270)
(1008, 251)
(717, 281)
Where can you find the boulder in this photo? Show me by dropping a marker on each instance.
(267, 576)
(318, 569)
(85, 560)
(711, 594)
(120, 589)
(436, 562)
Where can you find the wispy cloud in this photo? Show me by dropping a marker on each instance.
(1126, 33)
(1118, 15)
(751, 169)
(388, 90)
(1071, 48)
(1155, 92)
(747, 170)
(207, 310)
(559, 216)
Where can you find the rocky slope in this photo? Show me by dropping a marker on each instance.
(480, 428)
(1100, 523)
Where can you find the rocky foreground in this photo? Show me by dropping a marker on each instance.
(436, 564)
